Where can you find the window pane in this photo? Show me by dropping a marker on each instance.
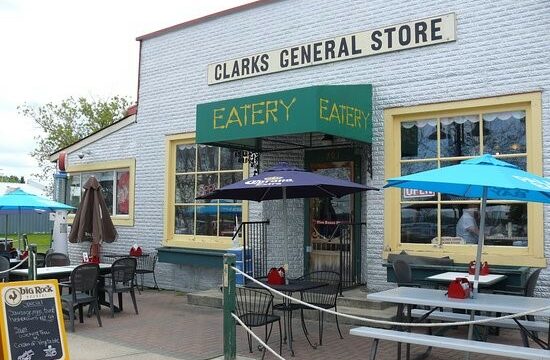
(449, 218)
(520, 162)
(185, 188)
(206, 183)
(413, 194)
(183, 220)
(229, 217)
(504, 132)
(418, 139)
(418, 223)
(122, 192)
(229, 161)
(506, 224)
(207, 223)
(460, 136)
(105, 179)
(207, 158)
(75, 191)
(185, 158)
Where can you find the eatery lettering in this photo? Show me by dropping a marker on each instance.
(413, 34)
(260, 113)
(343, 114)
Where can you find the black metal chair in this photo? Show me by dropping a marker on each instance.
(83, 290)
(40, 259)
(528, 290)
(146, 265)
(403, 273)
(121, 280)
(255, 308)
(4, 267)
(56, 259)
(324, 297)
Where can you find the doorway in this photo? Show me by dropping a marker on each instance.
(332, 227)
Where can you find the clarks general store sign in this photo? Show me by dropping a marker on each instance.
(430, 31)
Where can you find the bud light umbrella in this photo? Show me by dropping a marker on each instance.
(286, 182)
(482, 177)
(21, 201)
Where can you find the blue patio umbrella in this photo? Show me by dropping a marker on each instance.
(20, 201)
(483, 177)
(286, 182)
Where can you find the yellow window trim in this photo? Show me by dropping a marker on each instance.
(188, 241)
(533, 255)
(121, 220)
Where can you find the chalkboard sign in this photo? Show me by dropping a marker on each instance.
(32, 325)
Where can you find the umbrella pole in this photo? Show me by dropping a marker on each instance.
(6, 237)
(19, 231)
(285, 217)
(480, 241)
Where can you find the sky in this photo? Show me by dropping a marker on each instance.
(52, 50)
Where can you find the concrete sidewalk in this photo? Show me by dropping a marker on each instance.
(168, 328)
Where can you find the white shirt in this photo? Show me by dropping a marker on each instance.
(466, 222)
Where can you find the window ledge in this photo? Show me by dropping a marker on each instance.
(197, 257)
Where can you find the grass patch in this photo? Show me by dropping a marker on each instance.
(41, 240)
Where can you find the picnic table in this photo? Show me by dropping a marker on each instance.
(438, 299)
(484, 280)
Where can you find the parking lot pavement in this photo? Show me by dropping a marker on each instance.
(169, 328)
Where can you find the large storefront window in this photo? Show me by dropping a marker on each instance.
(430, 218)
(198, 170)
(116, 180)
(435, 222)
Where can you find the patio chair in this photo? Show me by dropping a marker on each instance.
(255, 308)
(324, 297)
(83, 290)
(146, 265)
(40, 260)
(528, 290)
(119, 281)
(403, 273)
(57, 259)
(4, 266)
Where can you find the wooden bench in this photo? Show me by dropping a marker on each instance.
(539, 326)
(511, 351)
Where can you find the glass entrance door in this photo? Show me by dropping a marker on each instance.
(330, 235)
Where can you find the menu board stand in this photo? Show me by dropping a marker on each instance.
(32, 326)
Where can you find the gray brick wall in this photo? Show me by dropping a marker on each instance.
(502, 48)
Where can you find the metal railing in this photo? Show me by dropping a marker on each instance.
(254, 236)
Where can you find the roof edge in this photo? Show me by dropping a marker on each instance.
(93, 137)
(206, 18)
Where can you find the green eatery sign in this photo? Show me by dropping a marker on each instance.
(340, 110)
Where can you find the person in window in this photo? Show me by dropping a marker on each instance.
(466, 227)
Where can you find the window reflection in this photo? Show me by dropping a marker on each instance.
(506, 132)
(417, 139)
(418, 223)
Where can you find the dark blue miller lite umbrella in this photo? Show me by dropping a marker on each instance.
(284, 181)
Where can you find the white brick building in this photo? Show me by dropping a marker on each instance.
(497, 63)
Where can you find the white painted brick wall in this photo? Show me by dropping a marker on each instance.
(502, 47)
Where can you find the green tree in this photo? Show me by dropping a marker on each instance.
(68, 121)
(12, 179)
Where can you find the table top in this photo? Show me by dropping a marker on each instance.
(451, 275)
(292, 286)
(482, 301)
(53, 270)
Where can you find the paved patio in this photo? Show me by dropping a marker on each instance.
(169, 328)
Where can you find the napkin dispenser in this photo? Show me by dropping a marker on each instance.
(484, 269)
(459, 288)
(276, 276)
